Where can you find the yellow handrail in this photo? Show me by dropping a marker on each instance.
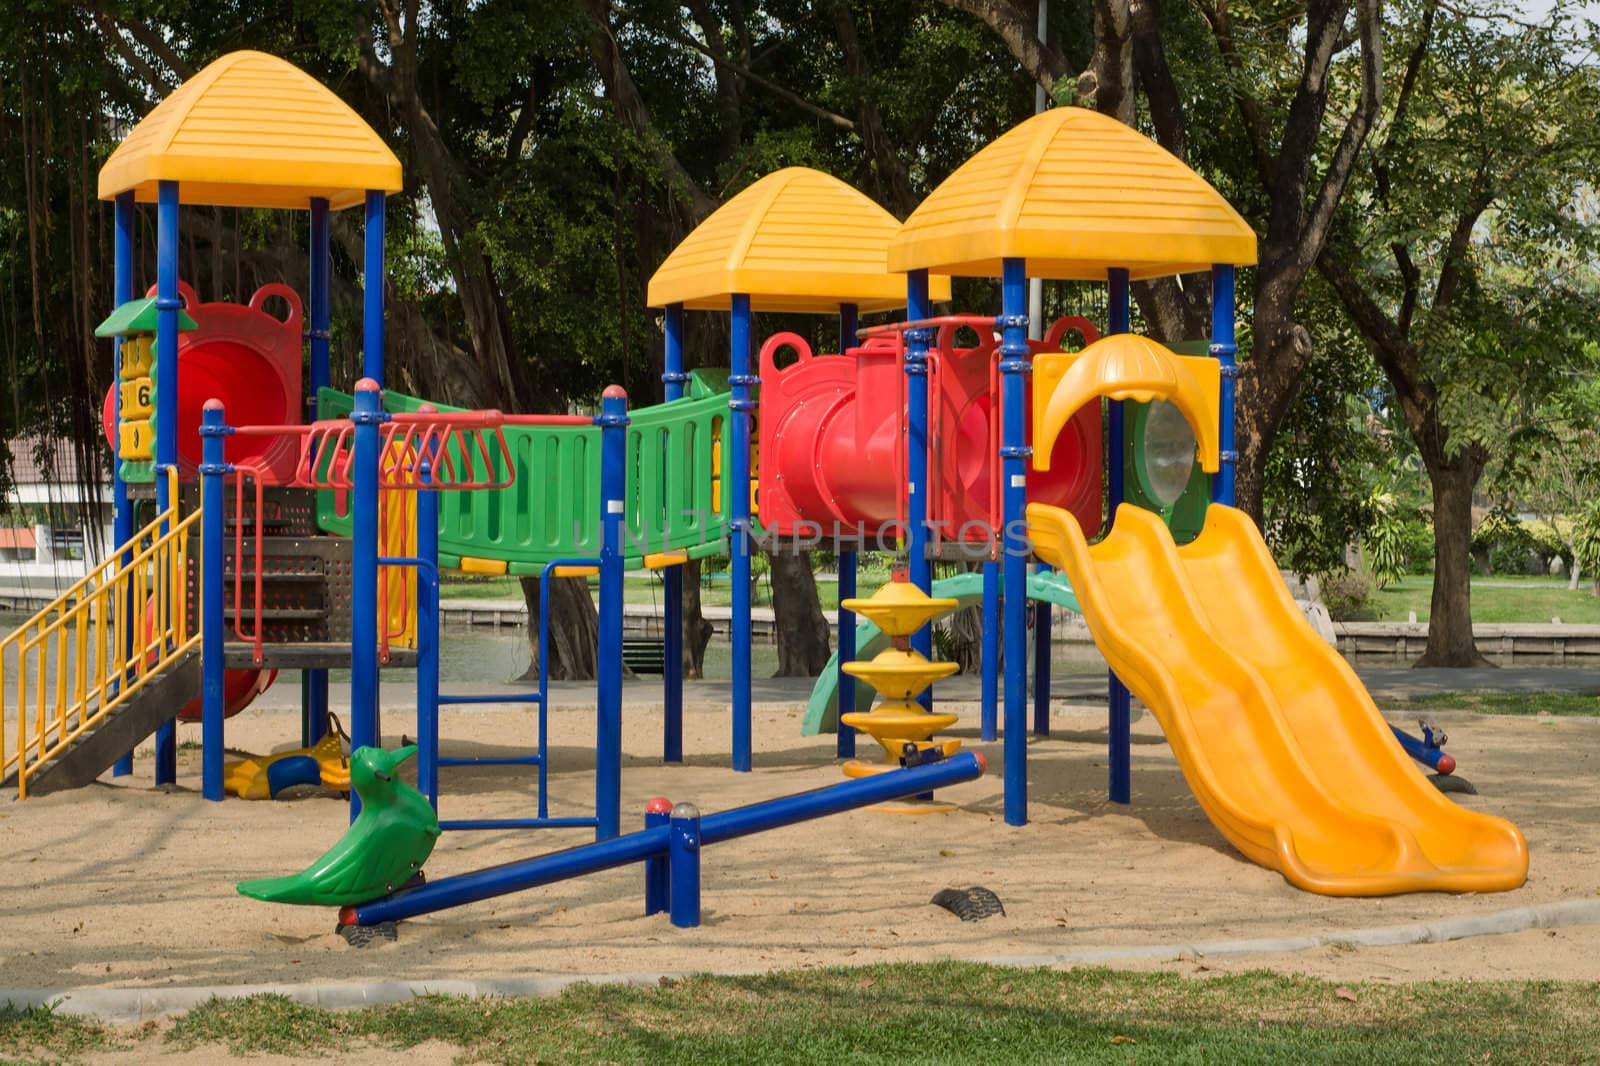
(139, 602)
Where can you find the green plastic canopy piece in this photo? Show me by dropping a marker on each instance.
(385, 847)
(139, 316)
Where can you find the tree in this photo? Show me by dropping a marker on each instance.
(1464, 263)
(1554, 471)
(1279, 158)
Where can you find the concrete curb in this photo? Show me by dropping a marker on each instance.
(127, 1005)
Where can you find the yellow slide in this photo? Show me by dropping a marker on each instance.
(1276, 735)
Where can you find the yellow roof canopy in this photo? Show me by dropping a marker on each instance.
(797, 240)
(251, 130)
(1074, 193)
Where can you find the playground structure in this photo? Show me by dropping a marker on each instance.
(344, 507)
(900, 673)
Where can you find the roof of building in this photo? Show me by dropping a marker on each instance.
(797, 240)
(1074, 193)
(34, 461)
(251, 130)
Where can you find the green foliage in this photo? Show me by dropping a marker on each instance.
(1348, 595)
(1502, 544)
(1587, 541)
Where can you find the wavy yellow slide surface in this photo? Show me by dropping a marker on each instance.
(1274, 732)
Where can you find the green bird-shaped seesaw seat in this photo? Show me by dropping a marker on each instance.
(383, 850)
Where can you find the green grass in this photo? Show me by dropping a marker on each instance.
(1576, 704)
(1496, 599)
(39, 1034)
(932, 1013)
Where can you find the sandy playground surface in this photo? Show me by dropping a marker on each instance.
(121, 885)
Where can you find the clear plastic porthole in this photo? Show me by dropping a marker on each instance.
(1166, 452)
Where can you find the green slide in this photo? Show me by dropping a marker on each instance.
(967, 589)
(552, 508)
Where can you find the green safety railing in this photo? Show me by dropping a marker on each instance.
(552, 508)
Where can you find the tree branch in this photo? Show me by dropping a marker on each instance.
(721, 61)
(1250, 110)
(633, 112)
(1315, 232)
(1019, 32)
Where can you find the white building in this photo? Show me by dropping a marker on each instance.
(48, 522)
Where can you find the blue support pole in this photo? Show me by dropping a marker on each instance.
(1041, 664)
(428, 634)
(1014, 453)
(213, 502)
(919, 566)
(657, 868)
(367, 417)
(613, 422)
(1223, 350)
(990, 680)
(166, 451)
(122, 507)
(673, 380)
(314, 683)
(738, 466)
(845, 736)
(372, 291)
(683, 865)
(1119, 754)
(655, 840)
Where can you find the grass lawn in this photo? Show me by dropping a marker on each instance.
(1496, 599)
(1524, 703)
(906, 1013)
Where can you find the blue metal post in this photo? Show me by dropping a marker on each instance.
(1223, 349)
(673, 380)
(1119, 754)
(372, 291)
(213, 468)
(167, 304)
(989, 709)
(1014, 453)
(122, 507)
(738, 466)
(845, 701)
(314, 683)
(657, 868)
(655, 840)
(367, 416)
(613, 423)
(1041, 664)
(683, 862)
(428, 635)
(919, 566)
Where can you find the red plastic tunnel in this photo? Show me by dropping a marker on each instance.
(832, 441)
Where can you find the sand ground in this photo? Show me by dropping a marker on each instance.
(121, 885)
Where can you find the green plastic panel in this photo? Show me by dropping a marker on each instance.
(552, 509)
(1187, 515)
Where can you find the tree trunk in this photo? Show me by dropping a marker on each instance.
(802, 631)
(966, 631)
(1450, 640)
(574, 631)
(696, 630)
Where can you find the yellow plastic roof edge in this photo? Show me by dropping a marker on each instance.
(1126, 366)
(1145, 250)
(243, 181)
(801, 290)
